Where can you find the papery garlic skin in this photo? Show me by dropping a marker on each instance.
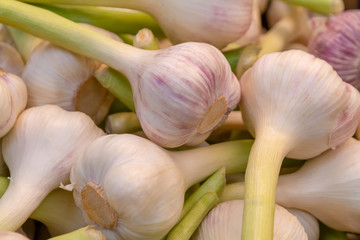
(12, 236)
(337, 41)
(10, 60)
(300, 96)
(13, 98)
(308, 221)
(106, 167)
(40, 150)
(182, 99)
(57, 76)
(327, 187)
(223, 221)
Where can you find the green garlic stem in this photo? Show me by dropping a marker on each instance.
(127, 38)
(122, 122)
(233, 191)
(320, 6)
(185, 228)
(215, 183)
(117, 84)
(116, 20)
(85, 233)
(261, 176)
(25, 43)
(145, 39)
(233, 56)
(72, 36)
(4, 183)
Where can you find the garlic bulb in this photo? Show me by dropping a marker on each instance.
(40, 150)
(131, 188)
(13, 98)
(12, 236)
(308, 221)
(181, 93)
(54, 75)
(213, 22)
(223, 221)
(10, 60)
(327, 187)
(337, 41)
(295, 105)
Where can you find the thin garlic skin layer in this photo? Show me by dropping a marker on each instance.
(223, 221)
(185, 92)
(113, 180)
(39, 151)
(13, 99)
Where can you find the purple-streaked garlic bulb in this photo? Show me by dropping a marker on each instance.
(223, 221)
(328, 187)
(337, 41)
(295, 105)
(131, 188)
(54, 75)
(213, 22)
(13, 98)
(181, 93)
(39, 151)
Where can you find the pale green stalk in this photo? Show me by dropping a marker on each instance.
(185, 228)
(145, 39)
(122, 122)
(321, 6)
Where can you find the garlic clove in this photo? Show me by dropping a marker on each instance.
(10, 60)
(12, 236)
(327, 187)
(336, 40)
(13, 98)
(308, 221)
(51, 140)
(223, 221)
(113, 181)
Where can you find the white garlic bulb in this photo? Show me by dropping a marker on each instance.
(40, 150)
(224, 220)
(327, 187)
(131, 188)
(13, 98)
(10, 60)
(295, 105)
(54, 75)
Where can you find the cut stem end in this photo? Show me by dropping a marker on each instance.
(213, 116)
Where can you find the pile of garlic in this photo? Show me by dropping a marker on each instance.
(212, 126)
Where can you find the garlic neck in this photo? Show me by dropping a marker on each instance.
(97, 207)
(213, 116)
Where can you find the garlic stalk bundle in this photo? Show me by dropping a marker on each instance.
(56, 76)
(223, 221)
(181, 93)
(133, 189)
(308, 221)
(295, 105)
(213, 22)
(13, 98)
(337, 41)
(12, 236)
(10, 60)
(39, 151)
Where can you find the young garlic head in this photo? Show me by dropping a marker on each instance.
(56, 76)
(223, 221)
(123, 193)
(13, 98)
(312, 105)
(39, 151)
(337, 41)
(327, 187)
(182, 93)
